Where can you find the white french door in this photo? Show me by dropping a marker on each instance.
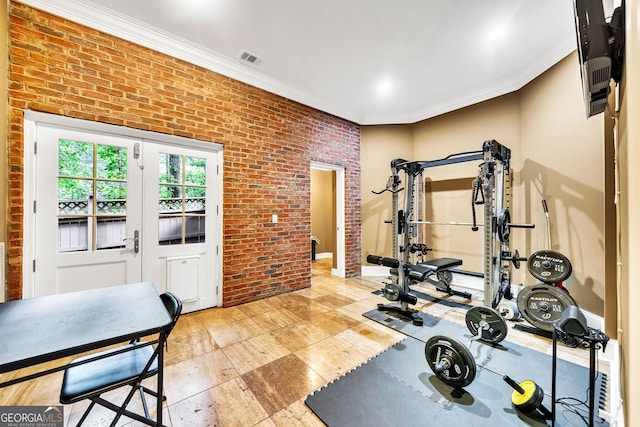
(181, 205)
(88, 211)
(115, 208)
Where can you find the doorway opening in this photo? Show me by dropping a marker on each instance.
(328, 215)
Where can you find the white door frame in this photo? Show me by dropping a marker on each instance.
(340, 214)
(31, 121)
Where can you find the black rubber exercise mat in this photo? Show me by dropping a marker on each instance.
(398, 388)
(506, 358)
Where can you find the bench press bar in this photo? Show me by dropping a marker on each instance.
(446, 223)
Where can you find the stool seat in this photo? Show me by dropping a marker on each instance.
(113, 371)
(439, 264)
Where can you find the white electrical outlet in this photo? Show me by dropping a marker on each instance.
(274, 218)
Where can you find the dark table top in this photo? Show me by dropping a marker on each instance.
(47, 328)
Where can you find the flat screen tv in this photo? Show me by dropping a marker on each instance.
(600, 49)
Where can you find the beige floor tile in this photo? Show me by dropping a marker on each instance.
(220, 316)
(368, 340)
(229, 404)
(335, 300)
(299, 335)
(187, 324)
(292, 298)
(278, 384)
(255, 352)
(357, 293)
(331, 357)
(267, 422)
(276, 319)
(308, 309)
(195, 375)
(334, 322)
(256, 308)
(357, 309)
(181, 347)
(315, 291)
(233, 332)
(296, 415)
(40, 391)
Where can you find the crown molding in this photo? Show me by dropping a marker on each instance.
(119, 25)
(102, 19)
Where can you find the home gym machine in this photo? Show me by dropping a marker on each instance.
(490, 188)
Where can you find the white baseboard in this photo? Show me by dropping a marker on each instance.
(374, 270)
(324, 255)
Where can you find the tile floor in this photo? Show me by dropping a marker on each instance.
(254, 364)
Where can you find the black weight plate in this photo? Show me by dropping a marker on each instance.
(462, 367)
(543, 304)
(503, 225)
(490, 323)
(549, 266)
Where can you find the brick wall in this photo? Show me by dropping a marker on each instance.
(63, 68)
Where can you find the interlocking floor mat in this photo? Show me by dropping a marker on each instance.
(397, 388)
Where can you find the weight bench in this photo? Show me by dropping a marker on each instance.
(441, 267)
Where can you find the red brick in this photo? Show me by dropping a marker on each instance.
(268, 141)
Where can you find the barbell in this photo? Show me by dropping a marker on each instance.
(503, 224)
(468, 224)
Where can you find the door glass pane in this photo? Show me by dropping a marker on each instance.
(75, 158)
(181, 199)
(195, 200)
(170, 230)
(91, 196)
(111, 232)
(195, 171)
(112, 197)
(74, 195)
(112, 162)
(170, 199)
(72, 234)
(170, 166)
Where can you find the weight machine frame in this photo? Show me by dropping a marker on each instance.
(491, 187)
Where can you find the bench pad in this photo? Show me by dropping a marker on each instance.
(439, 264)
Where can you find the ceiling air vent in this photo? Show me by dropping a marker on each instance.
(250, 58)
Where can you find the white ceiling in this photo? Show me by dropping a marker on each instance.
(368, 61)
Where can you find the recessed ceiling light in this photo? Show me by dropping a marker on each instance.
(384, 86)
(496, 34)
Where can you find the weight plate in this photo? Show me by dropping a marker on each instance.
(486, 322)
(391, 292)
(509, 310)
(450, 361)
(549, 266)
(503, 225)
(543, 304)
